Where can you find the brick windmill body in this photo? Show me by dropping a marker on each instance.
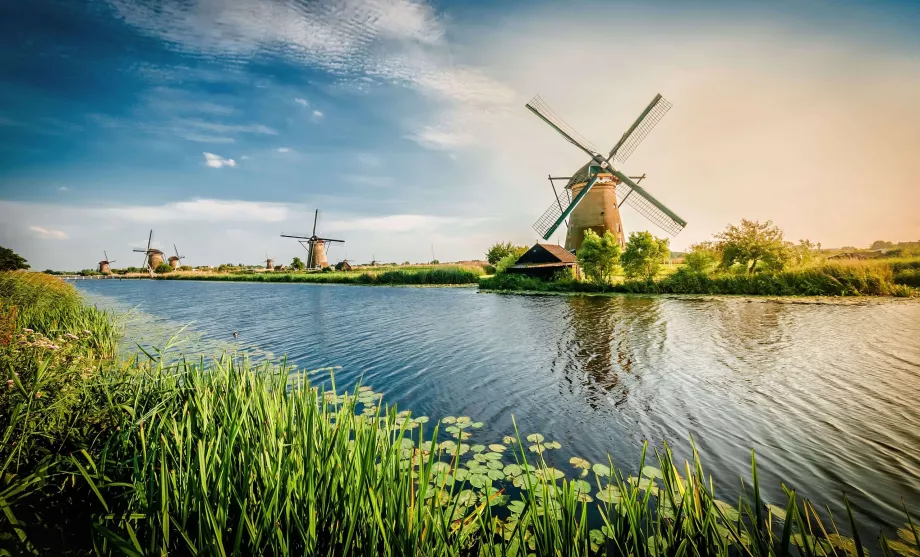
(152, 256)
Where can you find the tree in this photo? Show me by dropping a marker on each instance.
(11, 261)
(751, 243)
(881, 244)
(599, 256)
(806, 252)
(502, 265)
(702, 257)
(502, 250)
(643, 255)
(297, 264)
(162, 269)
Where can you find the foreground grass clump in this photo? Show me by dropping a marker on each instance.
(448, 275)
(233, 459)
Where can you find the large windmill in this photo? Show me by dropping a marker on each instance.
(592, 197)
(316, 247)
(104, 267)
(175, 260)
(152, 257)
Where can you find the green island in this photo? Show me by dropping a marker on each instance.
(141, 455)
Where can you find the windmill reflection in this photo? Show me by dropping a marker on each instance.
(607, 336)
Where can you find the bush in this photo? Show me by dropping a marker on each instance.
(599, 257)
(185, 268)
(502, 250)
(702, 257)
(505, 262)
(162, 269)
(908, 277)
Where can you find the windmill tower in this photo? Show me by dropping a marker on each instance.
(269, 263)
(316, 247)
(175, 260)
(104, 264)
(152, 257)
(593, 196)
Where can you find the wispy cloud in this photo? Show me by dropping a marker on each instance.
(63, 189)
(284, 149)
(372, 180)
(440, 138)
(217, 161)
(48, 233)
(317, 114)
(399, 223)
(205, 210)
(302, 102)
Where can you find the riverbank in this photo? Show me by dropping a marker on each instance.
(877, 278)
(195, 458)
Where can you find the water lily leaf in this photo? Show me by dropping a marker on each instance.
(492, 456)
(463, 420)
(609, 494)
(478, 448)
(461, 435)
(448, 446)
(579, 463)
(449, 420)
(463, 449)
(452, 429)
(440, 467)
(426, 446)
(535, 438)
(549, 474)
(365, 389)
(778, 512)
(730, 512)
(601, 470)
(513, 470)
(496, 474)
(461, 474)
(597, 537)
(841, 542)
(516, 507)
(553, 445)
(406, 443)
(651, 472)
(474, 465)
(581, 486)
(537, 448)
(421, 420)
(466, 498)
(476, 425)
(519, 482)
(508, 439)
(497, 448)
(480, 480)
(480, 457)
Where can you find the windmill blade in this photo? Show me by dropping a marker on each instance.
(331, 240)
(646, 205)
(315, 218)
(106, 255)
(631, 139)
(553, 216)
(539, 107)
(177, 251)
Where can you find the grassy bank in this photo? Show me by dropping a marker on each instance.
(850, 278)
(225, 458)
(421, 276)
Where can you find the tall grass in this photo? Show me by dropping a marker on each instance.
(846, 278)
(440, 275)
(228, 459)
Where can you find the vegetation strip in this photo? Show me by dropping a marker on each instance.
(226, 458)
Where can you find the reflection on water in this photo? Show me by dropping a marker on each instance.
(826, 394)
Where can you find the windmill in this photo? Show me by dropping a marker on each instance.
(269, 263)
(315, 246)
(174, 260)
(594, 194)
(104, 264)
(152, 257)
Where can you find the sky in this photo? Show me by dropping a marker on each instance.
(222, 124)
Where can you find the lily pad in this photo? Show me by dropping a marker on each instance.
(496, 474)
(730, 512)
(535, 438)
(579, 463)
(778, 512)
(609, 494)
(513, 470)
(651, 472)
(581, 486)
(497, 448)
(601, 470)
(508, 439)
(449, 420)
(494, 464)
(516, 507)
(466, 498)
(478, 448)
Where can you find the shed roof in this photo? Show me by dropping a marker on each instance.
(545, 253)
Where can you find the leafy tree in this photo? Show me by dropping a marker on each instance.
(881, 244)
(599, 256)
(702, 257)
(751, 243)
(806, 252)
(502, 250)
(643, 255)
(162, 269)
(185, 268)
(298, 265)
(11, 261)
(435, 262)
(223, 268)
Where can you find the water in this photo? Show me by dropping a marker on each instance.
(828, 395)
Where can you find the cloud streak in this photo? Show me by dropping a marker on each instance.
(217, 161)
(48, 233)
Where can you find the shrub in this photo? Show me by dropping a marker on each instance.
(599, 257)
(702, 257)
(502, 250)
(162, 269)
(643, 255)
(506, 262)
(185, 268)
(908, 277)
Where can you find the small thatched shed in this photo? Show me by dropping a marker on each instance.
(543, 261)
(343, 265)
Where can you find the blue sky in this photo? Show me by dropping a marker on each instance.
(223, 123)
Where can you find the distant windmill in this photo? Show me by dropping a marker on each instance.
(152, 257)
(269, 263)
(174, 260)
(316, 247)
(104, 264)
(595, 193)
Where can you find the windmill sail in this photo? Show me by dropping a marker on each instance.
(539, 107)
(642, 201)
(646, 121)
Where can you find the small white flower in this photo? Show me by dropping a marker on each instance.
(28, 331)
